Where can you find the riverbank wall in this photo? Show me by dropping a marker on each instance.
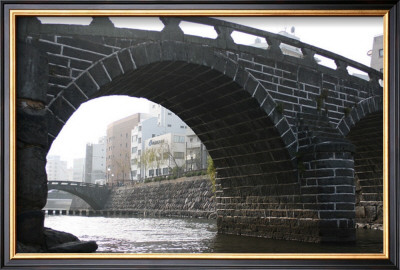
(184, 197)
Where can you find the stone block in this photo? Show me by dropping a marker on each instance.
(31, 179)
(32, 73)
(113, 66)
(99, 74)
(139, 55)
(81, 54)
(84, 44)
(126, 60)
(74, 96)
(86, 84)
(62, 109)
(32, 126)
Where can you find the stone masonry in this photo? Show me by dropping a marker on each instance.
(285, 133)
(184, 197)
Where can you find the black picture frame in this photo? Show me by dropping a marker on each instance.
(119, 263)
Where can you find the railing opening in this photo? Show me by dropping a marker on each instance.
(141, 23)
(325, 61)
(248, 39)
(196, 29)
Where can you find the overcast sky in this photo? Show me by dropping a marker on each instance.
(350, 37)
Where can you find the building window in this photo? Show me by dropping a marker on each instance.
(165, 171)
(153, 135)
(140, 128)
(151, 172)
(169, 125)
(182, 126)
(179, 139)
(169, 113)
(178, 155)
(139, 152)
(380, 52)
(134, 150)
(139, 140)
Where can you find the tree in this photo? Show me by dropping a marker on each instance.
(166, 154)
(123, 165)
(211, 172)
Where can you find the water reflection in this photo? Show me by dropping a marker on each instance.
(170, 235)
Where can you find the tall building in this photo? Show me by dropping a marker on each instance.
(167, 121)
(56, 169)
(78, 168)
(118, 148)
(377, 53)
(95, 161)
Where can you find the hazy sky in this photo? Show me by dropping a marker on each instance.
(350, 37)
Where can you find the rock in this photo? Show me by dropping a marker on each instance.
(30, 228)
(32, 126)
(54, 238)
(31, 179)
(22, 248)
(75, 247)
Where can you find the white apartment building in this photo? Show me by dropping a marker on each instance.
(163, 121)
(196, 153)
(163, 153)
(56, 169)
(377, 53)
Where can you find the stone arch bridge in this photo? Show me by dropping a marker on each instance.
(95, 195)
(297, 146)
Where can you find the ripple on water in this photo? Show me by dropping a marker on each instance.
(173, 235)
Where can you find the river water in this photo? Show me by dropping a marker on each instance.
(173, 235)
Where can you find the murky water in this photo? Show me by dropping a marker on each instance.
(170, 235)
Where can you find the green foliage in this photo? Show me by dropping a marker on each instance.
(279, 108)
(320, 99)
(300, 164)
(211, 172)
(346, 111)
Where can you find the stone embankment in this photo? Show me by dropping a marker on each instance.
(184, 197)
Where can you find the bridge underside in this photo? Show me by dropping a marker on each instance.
(284, 169)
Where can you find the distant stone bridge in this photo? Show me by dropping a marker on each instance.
(95, 195)
(297, 145)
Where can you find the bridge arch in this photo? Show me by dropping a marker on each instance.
(94, 195)
(364, 128)
(249, 139)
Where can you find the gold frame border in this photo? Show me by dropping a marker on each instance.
(242, 13)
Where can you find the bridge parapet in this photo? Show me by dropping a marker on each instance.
(224, 30)
(72, 183)
(172, 31)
